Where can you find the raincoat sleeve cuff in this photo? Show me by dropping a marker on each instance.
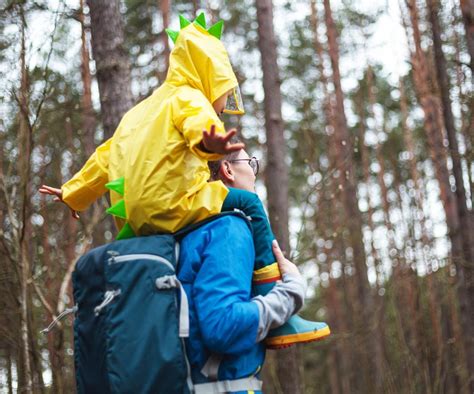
(88, 184)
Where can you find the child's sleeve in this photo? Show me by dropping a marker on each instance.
(88, 184)
(193, 113)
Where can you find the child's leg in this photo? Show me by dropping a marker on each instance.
(250, 204)
(295, 330)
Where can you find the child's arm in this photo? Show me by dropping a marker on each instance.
(88, 184)
(193, 114)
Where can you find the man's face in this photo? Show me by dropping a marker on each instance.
(244, 177)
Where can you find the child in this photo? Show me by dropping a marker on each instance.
(156, 162)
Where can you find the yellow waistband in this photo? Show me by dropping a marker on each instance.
(270, 273)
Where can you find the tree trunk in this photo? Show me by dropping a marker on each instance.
(443, 82)
(467, 115)
(165, 15)
(339, 362)
(379, 304)
(276, 173)
(465, 222)
(88, 120)
(467, 9)
(434, 130)
(9, 370)
(344, 152)
(353, 219)
(24, 143)
(112, 64)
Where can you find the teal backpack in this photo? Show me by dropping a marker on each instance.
(131, 319)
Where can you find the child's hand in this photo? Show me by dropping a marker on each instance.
(52, 191)
(285, 265)
(218, 143)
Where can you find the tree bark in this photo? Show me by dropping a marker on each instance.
(344, 152)
(341, 351)
(352, 215)
(467, 9)
(112, 64)
(443, 83)
(466, 225)
(9, 370)
(276, 173)
(88, 117)
(467, 115)
(165, 15)
(196, 6)
(24, 143)
(379, 303)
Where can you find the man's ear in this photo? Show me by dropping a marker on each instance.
(226, 173)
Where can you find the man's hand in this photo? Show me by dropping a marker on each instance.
(218, 143)
(285, 265)
(52, 191)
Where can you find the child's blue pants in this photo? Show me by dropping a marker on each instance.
(250, 204)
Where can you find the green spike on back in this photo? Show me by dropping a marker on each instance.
(183, 22)
(117, 185)
(201, 20)
(216, 29)
(126, 232)
(118, 209)
(172, 34)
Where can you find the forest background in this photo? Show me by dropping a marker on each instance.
(362, 115)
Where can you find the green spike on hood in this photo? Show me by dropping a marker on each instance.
(172, 34)
(216, 29)
(183, 22)
(201, 20)
(117, 185)
(118, 209)
(126, 232)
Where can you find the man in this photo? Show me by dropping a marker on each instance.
(227, 325)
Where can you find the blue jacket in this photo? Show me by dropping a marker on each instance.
(216, 267)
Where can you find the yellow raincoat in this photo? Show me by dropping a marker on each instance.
(156, 145)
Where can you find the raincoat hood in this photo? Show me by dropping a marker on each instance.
(200, 60)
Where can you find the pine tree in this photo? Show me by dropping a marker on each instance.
(276, 174)
(112, 63)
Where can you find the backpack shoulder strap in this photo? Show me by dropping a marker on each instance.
(180, 234)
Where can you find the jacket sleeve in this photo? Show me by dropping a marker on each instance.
(193, 113)
(88, 184)
(227, 318)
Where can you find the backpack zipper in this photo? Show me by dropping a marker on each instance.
(142, 256)
(61, 316)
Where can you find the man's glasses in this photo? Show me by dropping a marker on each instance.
(252, 162)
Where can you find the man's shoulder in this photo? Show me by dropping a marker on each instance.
(225, 225)
(226, 237)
